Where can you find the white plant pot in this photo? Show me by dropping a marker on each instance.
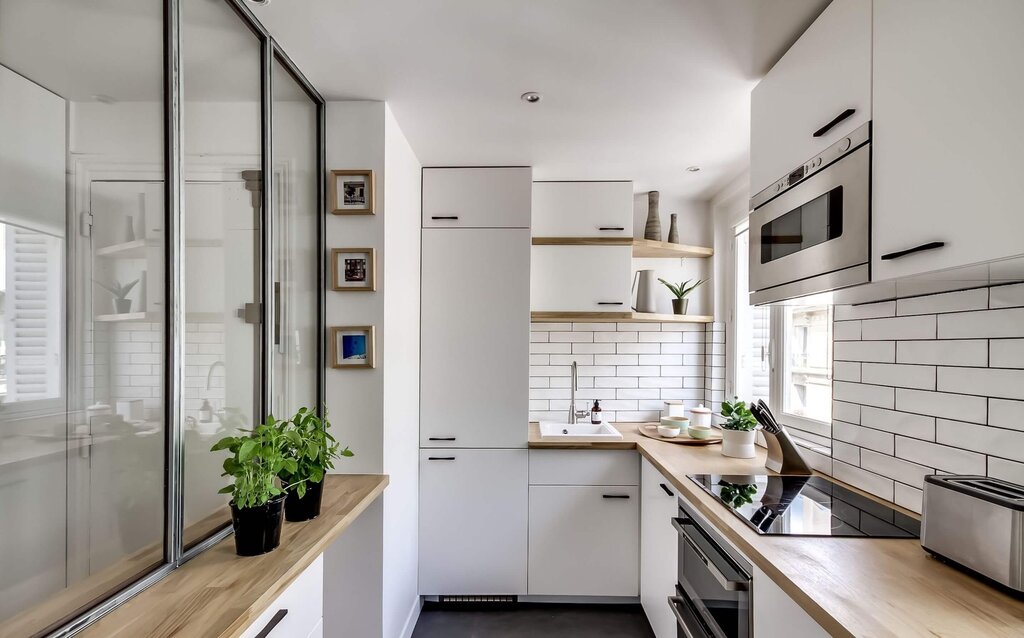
(739, 443)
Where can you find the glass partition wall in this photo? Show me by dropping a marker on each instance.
(156, 292)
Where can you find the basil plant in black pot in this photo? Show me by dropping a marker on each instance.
(258, 456)
(314, 450)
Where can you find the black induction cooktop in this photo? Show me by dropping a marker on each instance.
(805, 506)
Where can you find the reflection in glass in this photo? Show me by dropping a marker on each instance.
(222, 203)
(82, 334)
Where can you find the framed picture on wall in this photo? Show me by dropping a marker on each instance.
(353, 270)
(352, 347)
(352, 192)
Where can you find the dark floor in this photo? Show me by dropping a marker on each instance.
(535, 621)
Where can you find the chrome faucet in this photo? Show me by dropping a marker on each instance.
(575, 414)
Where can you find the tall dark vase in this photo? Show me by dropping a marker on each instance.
(652, 230)
(258, 529)
(306, 508)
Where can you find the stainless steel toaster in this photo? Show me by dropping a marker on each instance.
(978, 523)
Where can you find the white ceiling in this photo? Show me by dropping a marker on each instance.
(633, 89)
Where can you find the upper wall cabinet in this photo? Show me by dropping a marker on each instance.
(804, 104)
(947, 134)
(483, 197)
(583, 209)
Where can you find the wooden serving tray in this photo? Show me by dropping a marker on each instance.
(650, 430)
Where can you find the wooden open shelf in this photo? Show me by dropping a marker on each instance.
(646, 248)
(611, 317)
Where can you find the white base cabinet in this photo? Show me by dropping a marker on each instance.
(776, 615)
(582, 209)
(659, 549)
(580, 278)
(473, 512)
(298, 611)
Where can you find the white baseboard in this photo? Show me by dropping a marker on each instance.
(414, 615)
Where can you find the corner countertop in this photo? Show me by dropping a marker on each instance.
(850, 586)
(218, 594)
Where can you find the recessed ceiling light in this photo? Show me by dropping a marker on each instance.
(693, 169)
(531, 97)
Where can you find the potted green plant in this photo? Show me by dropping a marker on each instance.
(308, 442)
(122, 304)
(738, 430)
(257, 498)
(681, 291)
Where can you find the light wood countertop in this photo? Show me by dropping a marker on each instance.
(850, 586)
(218, 594)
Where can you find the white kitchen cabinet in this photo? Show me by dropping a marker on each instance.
(584, 540)
(580, 278)
(776, 615)
(297, 611)
(659, 549)
(825, 73)
(474, 350)
(480, 197)
(584, 467)
(583, 209)
(473, 530)
(947, 133)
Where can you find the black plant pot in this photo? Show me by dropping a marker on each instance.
(306, 508)
(258, 529)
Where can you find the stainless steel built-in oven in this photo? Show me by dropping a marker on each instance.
(713, 593)
(810, 231)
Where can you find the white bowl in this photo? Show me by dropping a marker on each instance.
(668, 431)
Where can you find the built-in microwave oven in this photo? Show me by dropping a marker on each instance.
(810, 232)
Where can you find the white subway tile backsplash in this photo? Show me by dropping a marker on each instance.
(940, 404)
(637, 371)
(550, 327)
(540, 382)
(567, 359)
(849, 412)
(615, 382)
(863, 394)
(571, 337)
(898, 375)
(846, 330)
(865, 311)
(684, 348)
(664, 337)
(908, 497)
(1006, 322)
(615, 359)
(1006, 470)
(960, 300)
(940, 457)
(868, 481)
(864, 437)
(846, 452)
(638, 393)
(967, 352)
(902, 328)
(1005, 413)
(596, 371)
(699, 337)
(539, 337)
(915, 425)
(614, 337)
(871, 351)
(593, 348)
(638, 416)
(682, 327)
(539, 359)
(993, 382)
(638, 327)
(549, 371)
(589, 327)
(1006, 296)
(894, 468)
(660, 382)
(1006, 353)
(846, 371)
(979, 438)
(638, 348)
(550, 348)
(683, 371)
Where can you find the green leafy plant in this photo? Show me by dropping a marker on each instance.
(683, 289)
(737, 416)
(314, 450)
(258, 456)
(737, 495)
(119, 290)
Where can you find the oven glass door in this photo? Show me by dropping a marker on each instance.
(717, 588)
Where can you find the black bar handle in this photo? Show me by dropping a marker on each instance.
(441, 438)
(451, 217)
(611, 228)
(440, 458)
(839, 118)
(667, 491)
(932, 245)
(615, 496)
(274, 622)
(609, 303)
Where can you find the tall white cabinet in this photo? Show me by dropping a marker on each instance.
(474, 396)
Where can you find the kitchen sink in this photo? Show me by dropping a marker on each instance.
(579, 431)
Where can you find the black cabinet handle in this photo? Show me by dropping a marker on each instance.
(839, 118)
(609, 303)
(615, 496)
(441, 438)
(611, 228)
(667, 491)
(440, 458)
(274, 622)
(932, 245)
(449, 217)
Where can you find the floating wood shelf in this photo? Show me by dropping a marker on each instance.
(611, 317)
(646, 248)
(129, 316)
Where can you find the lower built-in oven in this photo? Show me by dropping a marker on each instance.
(713, 593)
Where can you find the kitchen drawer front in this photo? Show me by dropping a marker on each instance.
(584, 467)
(582, 209)
(659, 548)
(303, 602)
(483, 197)
(580, 278)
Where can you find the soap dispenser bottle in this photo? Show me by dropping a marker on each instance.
(595, 413)
(205, 412)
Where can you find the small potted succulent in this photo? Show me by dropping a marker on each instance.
(257, 498)
(122, 304)
(308, 442)
(738, 430)
(681, 291)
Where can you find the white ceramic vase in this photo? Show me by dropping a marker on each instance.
(738, 443)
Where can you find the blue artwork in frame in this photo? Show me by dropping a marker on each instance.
(352, 347)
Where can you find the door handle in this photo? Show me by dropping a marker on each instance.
(445, 217)
(839, 118)
(610, 303)
(667, 491)
(615, 496)
(674, 602)
(611, 228)
(441, 438)
(725, 582)
(932, 245)
(440, 458)
(274, 622)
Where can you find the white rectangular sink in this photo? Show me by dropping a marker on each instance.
(579, 431)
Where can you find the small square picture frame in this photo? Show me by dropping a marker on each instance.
(353, 269)
(352, 192)
(352, 347)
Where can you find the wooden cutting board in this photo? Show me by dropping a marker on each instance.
(650, 430)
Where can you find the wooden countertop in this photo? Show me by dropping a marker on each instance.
(850, 586)
(218, 594)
